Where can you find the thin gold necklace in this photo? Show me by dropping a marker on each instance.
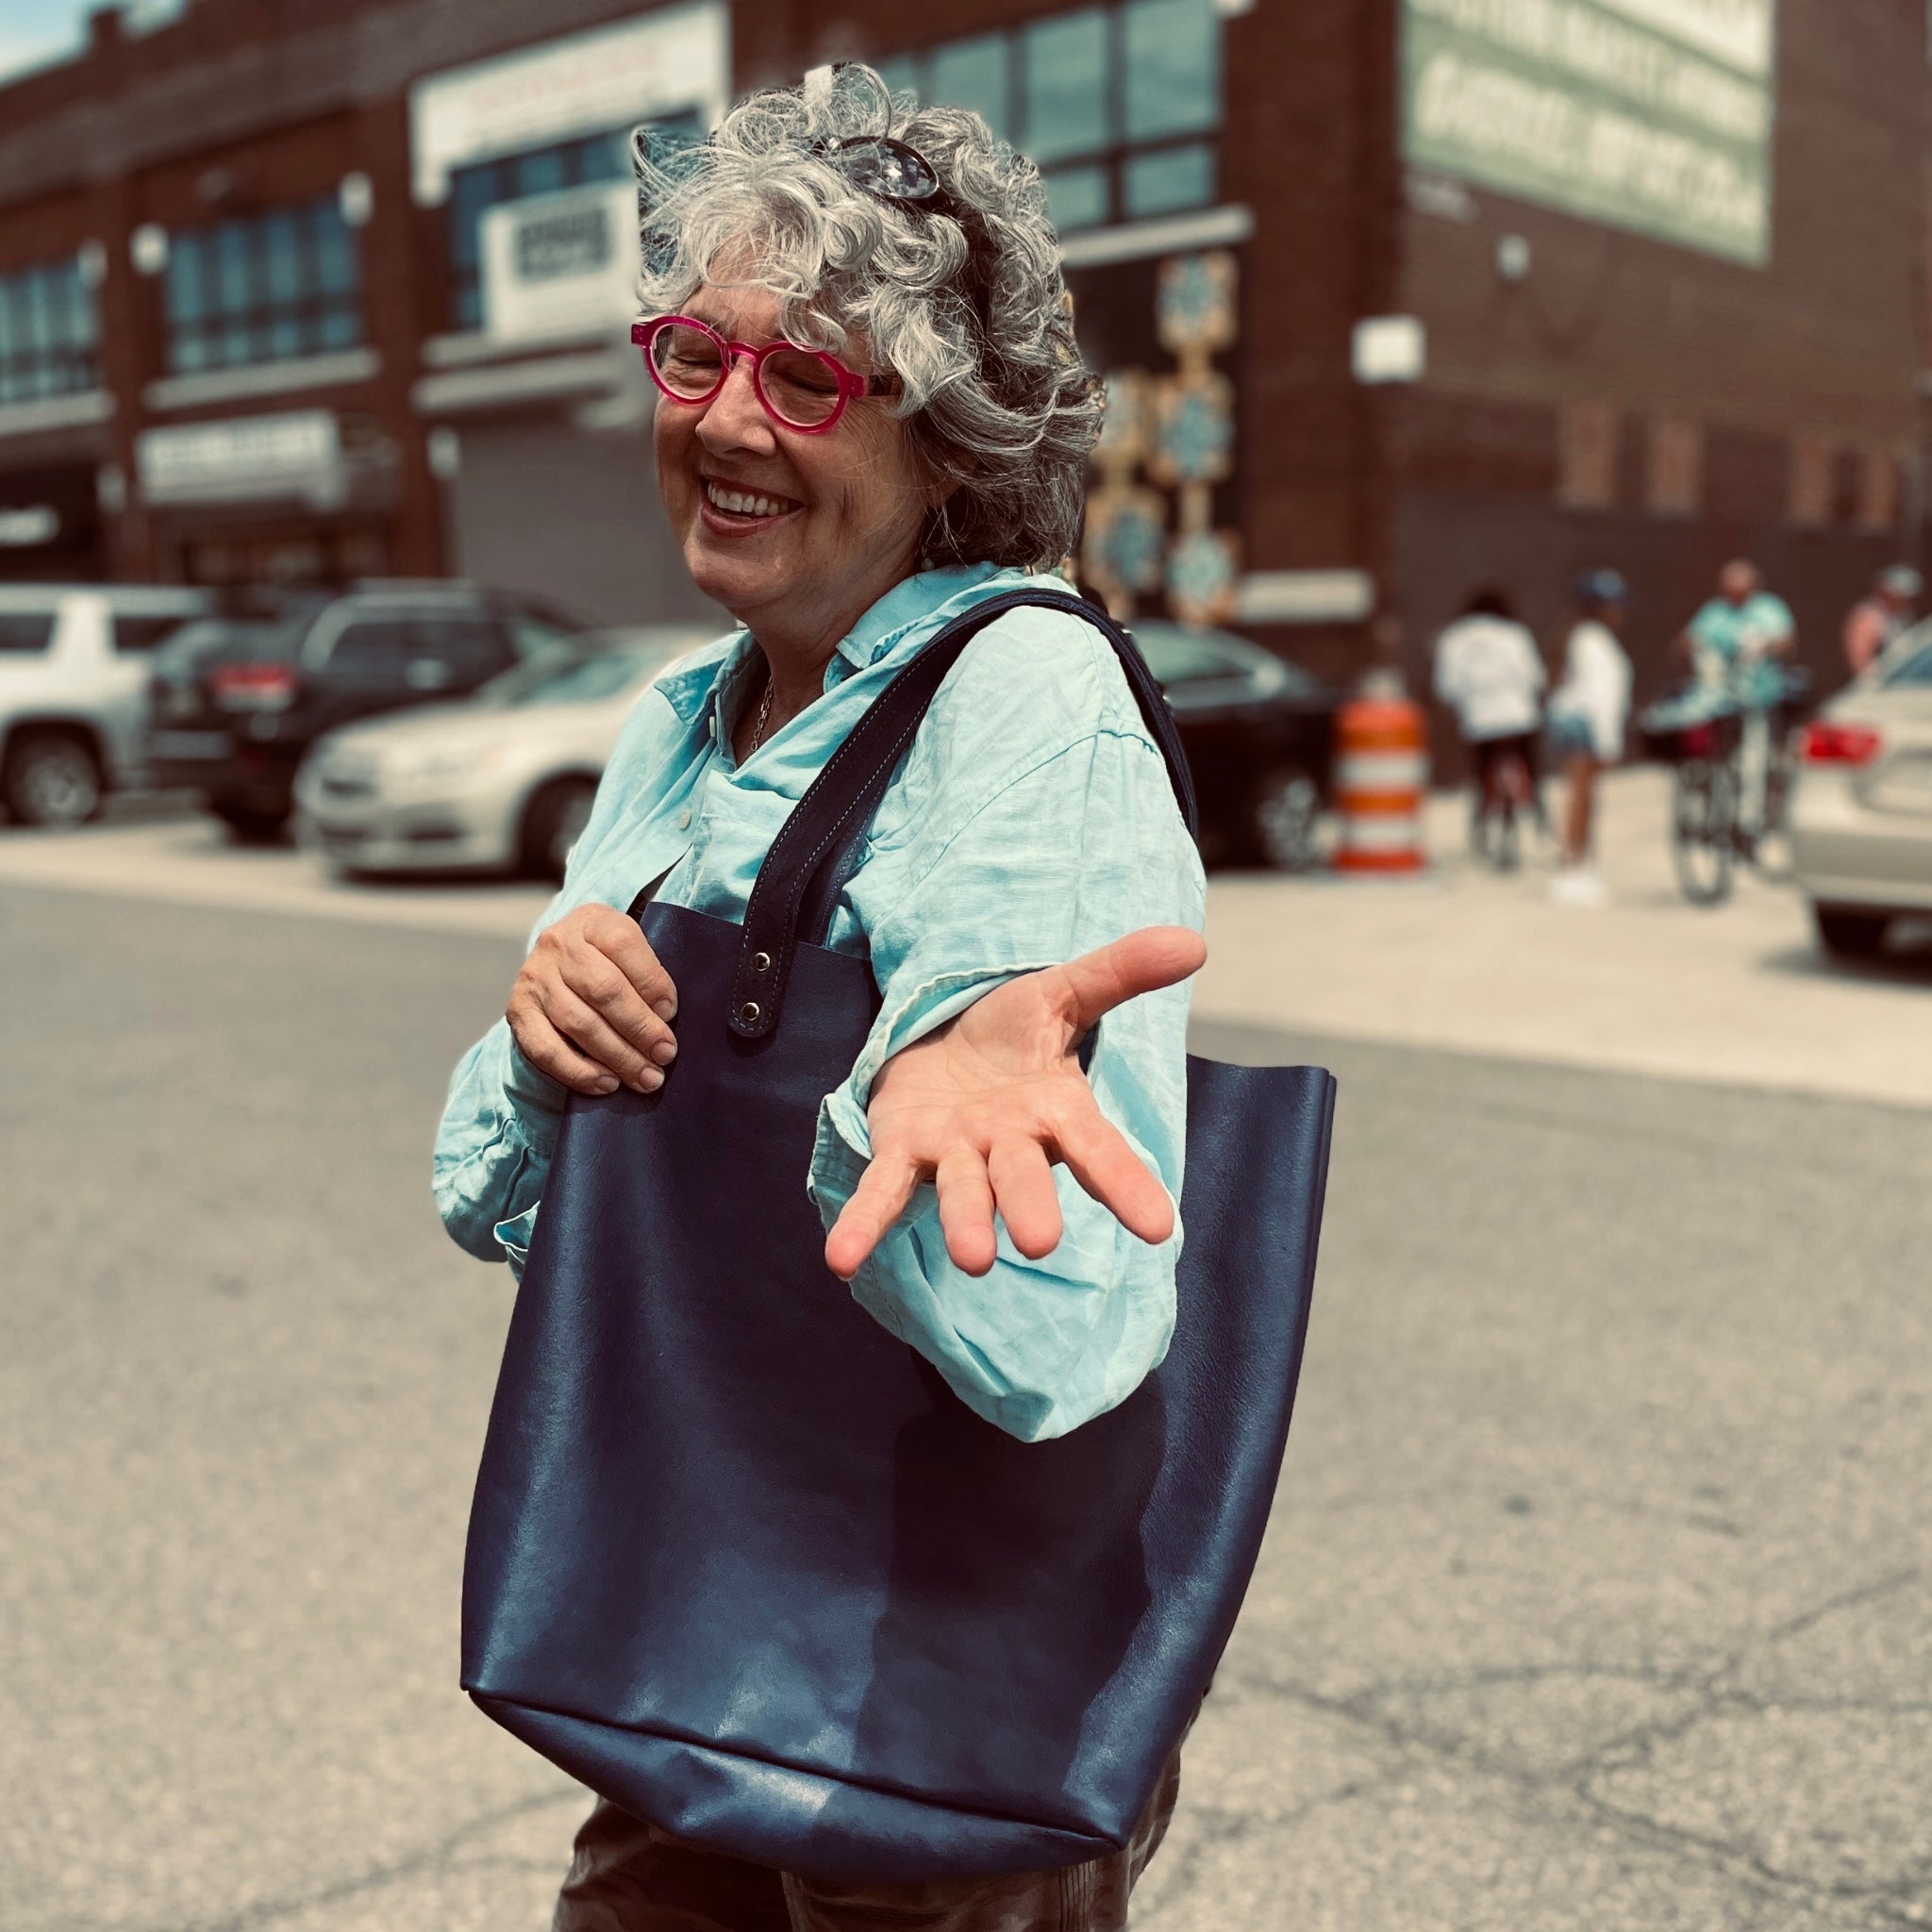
(757, 730)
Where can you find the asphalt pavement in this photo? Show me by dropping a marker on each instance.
(1594, 1594)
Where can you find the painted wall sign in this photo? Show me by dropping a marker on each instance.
(1652, 115)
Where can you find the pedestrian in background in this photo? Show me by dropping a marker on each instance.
(1490, 673)
(1588, 712)
(1879, 618)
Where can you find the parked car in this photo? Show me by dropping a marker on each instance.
(74, 676)
(1861, 811)
(503, 782)
(1258, 737)
(238, 701)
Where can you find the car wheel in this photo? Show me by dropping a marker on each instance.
(52, 779)
(1851, 935)
(553, 824)
(250, 825)
(1285, 816)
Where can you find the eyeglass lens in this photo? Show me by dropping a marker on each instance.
(795, 385)
(879, 165)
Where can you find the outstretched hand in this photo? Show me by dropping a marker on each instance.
(985, 1104)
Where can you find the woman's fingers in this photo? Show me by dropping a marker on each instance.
(630, 952)
(595, 978)
(600, 997)
(596, 1040)
(878, 1200)
(548, 1050)
(1103, 1160)
(966, 1206)
(1143, 961)
(1023, 1185)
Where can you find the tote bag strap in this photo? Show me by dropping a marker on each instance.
(821, 842)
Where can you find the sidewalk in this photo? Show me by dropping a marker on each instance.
(1461, 958)
(1467, 959)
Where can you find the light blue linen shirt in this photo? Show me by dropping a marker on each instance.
(1031, 821)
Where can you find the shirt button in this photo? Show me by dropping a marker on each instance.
(684, 820)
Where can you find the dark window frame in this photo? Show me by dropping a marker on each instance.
(585, 161)
(50, 332)
(1114, 155)
(208, 325)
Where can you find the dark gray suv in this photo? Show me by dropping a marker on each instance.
(237, 699)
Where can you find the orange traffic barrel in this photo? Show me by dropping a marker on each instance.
(1381, 779)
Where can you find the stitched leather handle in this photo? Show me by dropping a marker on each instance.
(819, 847)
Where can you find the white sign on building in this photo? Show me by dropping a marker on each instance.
(672, 62)
(296, 453)
(560, 264)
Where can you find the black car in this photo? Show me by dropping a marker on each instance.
(1259, 734)
(237, 699)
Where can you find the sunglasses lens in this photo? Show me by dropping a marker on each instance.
(800, 388)
(687, 360)
(887, 168)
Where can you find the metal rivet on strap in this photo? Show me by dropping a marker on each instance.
(761, 962)
(749, 1012)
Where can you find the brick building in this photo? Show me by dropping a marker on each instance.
(1398, 295)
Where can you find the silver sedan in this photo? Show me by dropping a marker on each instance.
(500, 782)
(1861, 815)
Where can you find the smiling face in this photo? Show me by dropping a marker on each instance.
(795, 534)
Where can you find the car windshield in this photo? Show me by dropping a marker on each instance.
(1913, 671)
(580, 682)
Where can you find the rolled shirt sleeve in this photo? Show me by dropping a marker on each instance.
(1084, 847)
(500, 1117)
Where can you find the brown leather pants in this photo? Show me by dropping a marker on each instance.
(628, 1876)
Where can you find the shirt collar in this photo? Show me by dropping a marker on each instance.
(911, 601)
(708, 680)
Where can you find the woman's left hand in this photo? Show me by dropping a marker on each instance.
(985, 1103)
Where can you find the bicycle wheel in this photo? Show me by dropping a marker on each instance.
(1703, 830)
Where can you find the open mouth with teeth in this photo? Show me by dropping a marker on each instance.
(746, 506)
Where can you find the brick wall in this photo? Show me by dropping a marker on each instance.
(1770, 412)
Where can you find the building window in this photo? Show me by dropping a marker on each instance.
(582, 162)
(1588, 439)
(50, 335)
(1879, 491)
(484, 185)
(1118, 104)
(1675, 482)
(1813, 481)
(262, 288)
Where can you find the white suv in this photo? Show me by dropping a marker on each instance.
(73, 678)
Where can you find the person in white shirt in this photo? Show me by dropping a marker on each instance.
(1586, 716)
(1490, 673)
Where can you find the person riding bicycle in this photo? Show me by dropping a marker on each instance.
(1587, 714)
(1736, 642)
(1737, 645)
(1879, 619)
(1491, 675)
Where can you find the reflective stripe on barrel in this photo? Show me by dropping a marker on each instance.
(1381, 777)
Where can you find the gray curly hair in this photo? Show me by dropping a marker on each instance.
(965, 305)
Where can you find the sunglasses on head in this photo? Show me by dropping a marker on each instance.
(877, 163)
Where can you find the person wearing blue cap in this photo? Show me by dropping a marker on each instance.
(1586, 725)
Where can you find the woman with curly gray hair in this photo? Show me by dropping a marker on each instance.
(873, 418)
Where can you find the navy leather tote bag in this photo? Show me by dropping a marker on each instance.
(740, 1560)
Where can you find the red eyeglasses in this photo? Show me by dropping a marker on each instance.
(799, 389)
